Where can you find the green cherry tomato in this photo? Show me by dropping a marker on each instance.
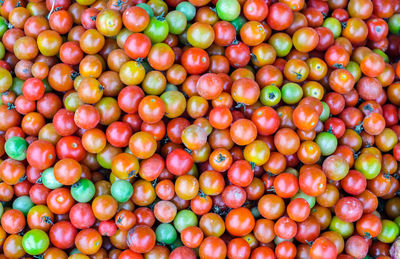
(83, 190)
(35, 242)
(325, 112)
(187, 9)
(382, 54)
(72, 102)
(171, 87)
(345, 229)
(397, 220)
(228, 10)
(177, 243)
(49, 180)
(390, 231)
(2, 50)
(238, 23)
(75, 251)
(255, 212)
(394, 24)
(23, 204)
(184, 219)
(166, 233)
(309, 199)
(121, 190)
(334, 25)
(157, 30)
(16, 86)
(183, 36)
(193, 171)
(368, 164)
(291, 93)
(270, 95)
(177, 22)
(282, 43)
(175, 103)
(16, 147)
(1, 209)
(3, 26)
(147, 8)
(47, 87)
(354, 69)
(327, 142)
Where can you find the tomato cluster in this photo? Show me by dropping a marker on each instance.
(203, 128)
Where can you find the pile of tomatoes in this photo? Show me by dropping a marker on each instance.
(203, 128)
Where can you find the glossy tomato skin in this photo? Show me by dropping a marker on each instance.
(62, 234)
(179, 162)
(200, 128)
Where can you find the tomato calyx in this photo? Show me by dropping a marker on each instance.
(10, 106)
(359, 127)
(202, 194)
(120, 3)
(132, 173)
(310, 243)
(165, 140)
(235, 42)
(299, 75)
(220, 211)
(338, 66)
(119, 219)
(22, 179)
(188, 150)
(271, 189)
(74, 75)
(47, 220)
(253, 166)
(254, 57)
(220, 158)
(356, 154)
(240, 105)
(160, 17)
(367, 235)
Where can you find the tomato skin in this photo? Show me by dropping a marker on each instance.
(213, 247)
(323, 248)
(179, 162)
(249, 147)
(81, 216)
(349, 209)
(286, 185)
(62, 234)
(141, 239)
(13, 221)
(275, 17)
(41, 154)
(266, 120)
(312, 182)
(238, 55)
(195, 61)
(354, 183)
